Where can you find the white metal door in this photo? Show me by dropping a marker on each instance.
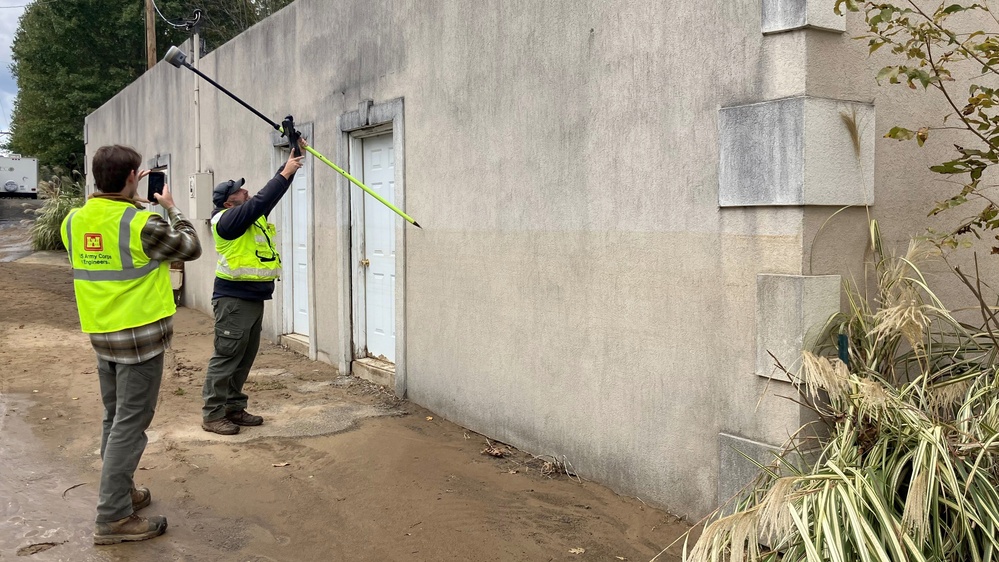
(297, 268)
(379, 247)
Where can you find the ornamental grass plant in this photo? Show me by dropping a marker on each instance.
(907, 467)
(61, 192)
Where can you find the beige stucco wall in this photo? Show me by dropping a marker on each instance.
(576, 289)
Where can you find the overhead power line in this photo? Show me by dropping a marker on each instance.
(185, 23)
(168, 22)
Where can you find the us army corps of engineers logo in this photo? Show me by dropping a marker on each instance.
(93, 250)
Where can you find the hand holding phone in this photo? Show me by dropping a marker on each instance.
(165, 199)
(156, 182)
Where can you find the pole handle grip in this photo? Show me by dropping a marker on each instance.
(288, 129)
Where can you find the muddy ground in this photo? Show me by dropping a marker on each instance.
(342, 470)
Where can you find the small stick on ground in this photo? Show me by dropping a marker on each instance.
(70, 488)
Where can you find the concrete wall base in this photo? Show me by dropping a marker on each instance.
(298, 344)
(374, 370)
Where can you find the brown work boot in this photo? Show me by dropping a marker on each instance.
(140, 498)
(131, 528)
(242, 417)
(221, 426)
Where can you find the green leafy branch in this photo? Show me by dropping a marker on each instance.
(933, 51)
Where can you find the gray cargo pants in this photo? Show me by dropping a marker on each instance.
(237, 338)
(129, 393)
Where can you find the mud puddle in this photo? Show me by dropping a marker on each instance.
(15, 239)
(36, 518)
(46, 511)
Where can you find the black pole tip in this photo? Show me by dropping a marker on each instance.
(417, 225)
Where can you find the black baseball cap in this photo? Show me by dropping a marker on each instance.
(223, 190)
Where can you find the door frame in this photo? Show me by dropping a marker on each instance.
(286, 317)
(370, 120)
(358, 274)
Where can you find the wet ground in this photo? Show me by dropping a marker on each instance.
(37, 499)
(38, 505)
(15, 227)
(341, 469)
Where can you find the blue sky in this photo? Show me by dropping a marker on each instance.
(8, 88)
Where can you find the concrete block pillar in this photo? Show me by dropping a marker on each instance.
(788, 15)
(737, 471)
(790, 313)
(789, 150)
(796, 151)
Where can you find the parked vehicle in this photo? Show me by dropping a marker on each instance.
(18, 176)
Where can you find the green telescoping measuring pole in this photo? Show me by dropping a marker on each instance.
(357, 182)
(177, 58)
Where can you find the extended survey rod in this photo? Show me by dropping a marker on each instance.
(177, 58)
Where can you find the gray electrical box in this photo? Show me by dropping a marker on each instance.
(200, 186)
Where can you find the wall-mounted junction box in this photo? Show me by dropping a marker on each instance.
(200, 187)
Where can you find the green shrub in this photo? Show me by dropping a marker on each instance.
(62, 193)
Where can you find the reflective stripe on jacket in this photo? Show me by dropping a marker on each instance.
(251, 257)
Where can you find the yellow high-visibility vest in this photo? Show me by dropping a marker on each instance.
(251, 257)
(117, 286)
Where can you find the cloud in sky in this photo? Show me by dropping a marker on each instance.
(10, 13)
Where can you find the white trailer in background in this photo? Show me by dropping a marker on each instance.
(18, 176)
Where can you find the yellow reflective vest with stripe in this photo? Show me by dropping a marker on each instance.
(251, 257)
(117, 285)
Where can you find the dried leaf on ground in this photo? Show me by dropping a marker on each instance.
(280, 464)
(577, 550)
(494, 451)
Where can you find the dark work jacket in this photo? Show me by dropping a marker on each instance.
(234, 223)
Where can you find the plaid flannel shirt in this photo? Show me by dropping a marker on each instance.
(165, 243)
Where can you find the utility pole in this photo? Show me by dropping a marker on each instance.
(150, 34)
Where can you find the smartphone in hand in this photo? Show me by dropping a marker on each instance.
(156, 181)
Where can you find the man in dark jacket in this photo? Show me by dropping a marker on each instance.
(244, 278)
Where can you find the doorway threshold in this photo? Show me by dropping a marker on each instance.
(295, 342)
(374, 370)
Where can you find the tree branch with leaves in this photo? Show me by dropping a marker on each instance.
(70, 57)
(937, 55)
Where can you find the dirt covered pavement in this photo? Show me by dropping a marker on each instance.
(341, 470)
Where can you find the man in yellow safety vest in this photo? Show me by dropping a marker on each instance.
(121, 256)
(244, 278)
